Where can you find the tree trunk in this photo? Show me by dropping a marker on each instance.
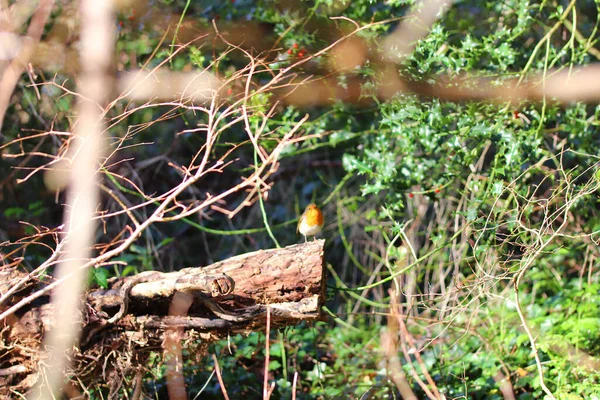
(134, 313)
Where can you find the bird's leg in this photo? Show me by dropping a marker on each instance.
(305, 239)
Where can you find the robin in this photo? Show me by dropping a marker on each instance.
(311, 222)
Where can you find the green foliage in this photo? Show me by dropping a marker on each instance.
(332, 362)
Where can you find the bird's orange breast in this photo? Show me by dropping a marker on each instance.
(314, 217)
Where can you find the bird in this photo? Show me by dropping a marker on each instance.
(311, 222)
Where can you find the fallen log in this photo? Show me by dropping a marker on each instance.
(135, 314)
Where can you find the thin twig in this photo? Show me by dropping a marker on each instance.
(219, 377)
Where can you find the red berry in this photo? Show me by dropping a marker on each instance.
(290, 51)
(437, 190)
(229, 91)
(516, 114)
(295, 45)
(411, 195)
(300, 55)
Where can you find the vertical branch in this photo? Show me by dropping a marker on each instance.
(266, 390)
(432, 393)
(94, 85)
(173, 355)
(389, 344)
(294, 385)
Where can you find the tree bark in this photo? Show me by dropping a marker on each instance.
(134, 313)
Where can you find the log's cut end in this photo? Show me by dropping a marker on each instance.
(276, 275)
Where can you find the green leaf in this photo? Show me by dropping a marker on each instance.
(353, 164)
(274, 365)
(101, 277)
(14, 212)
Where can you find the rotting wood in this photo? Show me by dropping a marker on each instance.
(132, 315)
